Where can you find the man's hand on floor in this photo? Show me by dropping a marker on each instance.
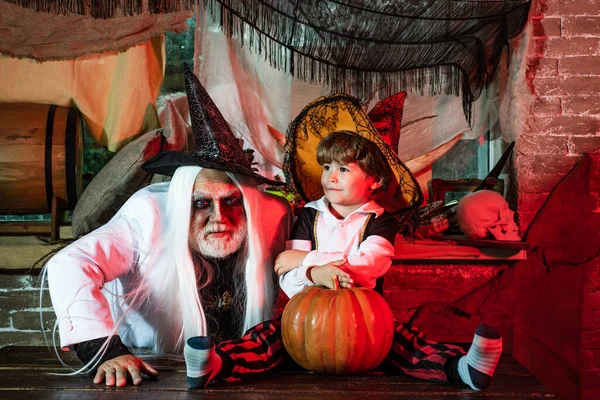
(116, 370)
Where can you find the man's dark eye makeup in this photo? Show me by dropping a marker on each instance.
(230, 201)
(233, 200)
(201, 203)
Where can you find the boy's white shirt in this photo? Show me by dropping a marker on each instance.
(338, 239)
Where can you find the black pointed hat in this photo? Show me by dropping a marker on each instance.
(216, 146)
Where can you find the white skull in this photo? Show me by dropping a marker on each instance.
(486, 212)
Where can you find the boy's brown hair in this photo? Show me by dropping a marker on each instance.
(345, 147)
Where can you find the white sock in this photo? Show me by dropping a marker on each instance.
(477, 367)
(201, 361)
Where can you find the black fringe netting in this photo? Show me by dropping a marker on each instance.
(365, 48)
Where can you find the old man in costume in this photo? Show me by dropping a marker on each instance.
(191, 257)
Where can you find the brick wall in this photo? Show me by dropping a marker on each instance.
(20, 311)
(563, 77)
(562, 122)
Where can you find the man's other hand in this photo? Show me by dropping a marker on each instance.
(116, 370)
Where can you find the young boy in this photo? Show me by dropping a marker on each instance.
(344, 233)
(343, 230)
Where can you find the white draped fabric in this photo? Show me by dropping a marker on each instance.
(252, 95)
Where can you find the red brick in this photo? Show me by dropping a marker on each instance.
(531, 201)
(567, 125)
(592, 275)
(20, 281)
(16, 338)
(564, 86)
(539, 182)
(589, 379)
(543, 67)
(591, 300)
(540, 174)
(591, 293)
(590, 359)
(22, 299)
(585, 144)
(585, 65)
(580, 26)
(544, 163)
(568, 7)
(596, 197)
(591, 286)
(593, 181)
(590, 339)
(5, 321)
(436, 277)
(30, 320)
(531, 144)
(567, 46)
(546, 106)
(538, 48)
(546, 26)
(587, 105)
(590, 318)
(589, 394)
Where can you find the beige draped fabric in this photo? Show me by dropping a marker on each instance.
(115, 93)
(111, 69)
(47, 36)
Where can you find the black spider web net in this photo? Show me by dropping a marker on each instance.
(369, 47)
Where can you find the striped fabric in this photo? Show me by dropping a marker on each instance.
(261, 349)
(484, 354)
(416, 356)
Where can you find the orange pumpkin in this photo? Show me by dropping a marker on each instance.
(332, 331)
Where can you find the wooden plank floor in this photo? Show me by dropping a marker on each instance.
(26, 373)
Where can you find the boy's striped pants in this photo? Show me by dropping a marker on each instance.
(261, 349)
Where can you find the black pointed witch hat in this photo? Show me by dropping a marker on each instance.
(216, 146)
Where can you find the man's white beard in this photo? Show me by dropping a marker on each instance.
(219, 248)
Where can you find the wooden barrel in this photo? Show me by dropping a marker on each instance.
(41, 156)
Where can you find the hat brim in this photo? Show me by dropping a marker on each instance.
(166, 162)
(334, 113)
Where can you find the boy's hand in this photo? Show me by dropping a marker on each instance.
(289, 260)
(321, 275)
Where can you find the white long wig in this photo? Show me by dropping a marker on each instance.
(170, 286)
(181, 278)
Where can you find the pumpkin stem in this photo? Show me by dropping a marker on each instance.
(336, 282)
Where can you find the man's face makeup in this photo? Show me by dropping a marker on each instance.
(218, 226)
